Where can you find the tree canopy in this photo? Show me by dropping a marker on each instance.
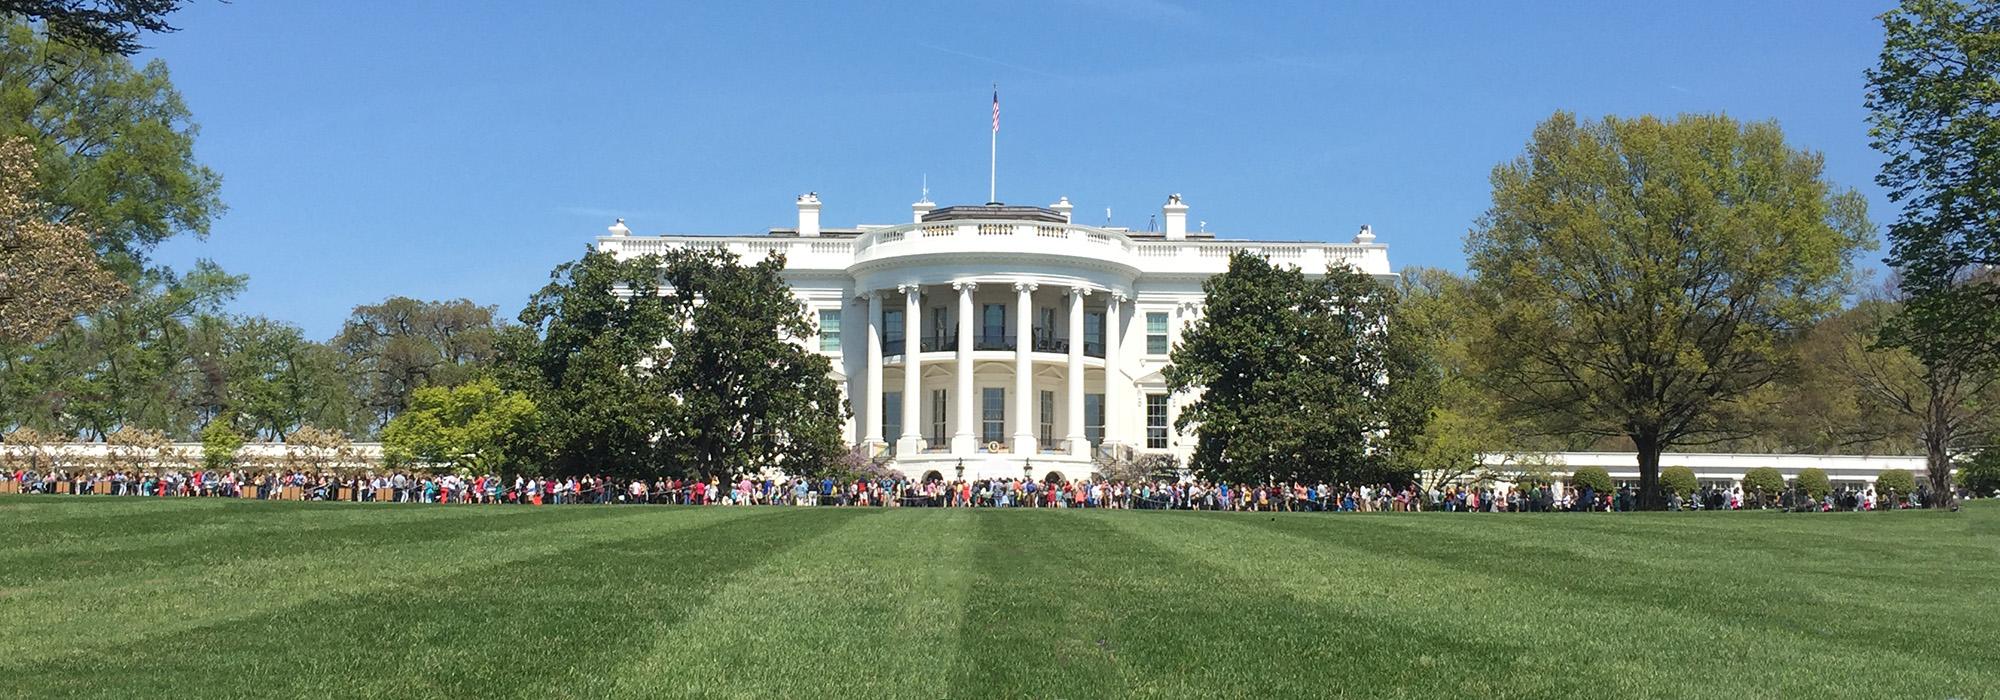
(49, 273)
(475, 426)
(107, 26)
(1297, 377)
(1645, 277)
(393, 348)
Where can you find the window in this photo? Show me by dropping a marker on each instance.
(1156, 421)
(993, 327)
(941, 335)
(1093, 418)
(1045, 330)
(1093, 333)
(892, 416)
(938, 414)
(892, 331)
(993, 408)
(1156, 333)
(829, 330)
(1048, 419)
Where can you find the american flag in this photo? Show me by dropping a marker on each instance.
(996, 110)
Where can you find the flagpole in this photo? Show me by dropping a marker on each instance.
(993, 152)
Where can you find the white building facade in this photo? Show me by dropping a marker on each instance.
(1001, 341)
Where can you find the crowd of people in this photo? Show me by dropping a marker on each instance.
(897, 491)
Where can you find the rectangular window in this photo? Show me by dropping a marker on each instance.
(1093, 333)
(993, 408)
(1048, 419)
(1156, 421)
(1093, 418)
(892, 417)
(941, 335)
(1045, 330)
(993, 327)
(939, 437)
(1156, 333)
(829, 330)
(892, 332)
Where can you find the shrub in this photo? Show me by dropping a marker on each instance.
(219, 443)
(1981, 473)
(1678, 480)
(1765, 480)
(1813, 480)
(1895, 483)
(1594, 477)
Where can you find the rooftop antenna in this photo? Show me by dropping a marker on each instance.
(1150, 221)
(1107, 217)
(926, 198)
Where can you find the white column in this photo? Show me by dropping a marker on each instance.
(1024, 368)
(913, 375)
(1115, 382)
(1079, 445)
(871, 376)
(963, 440)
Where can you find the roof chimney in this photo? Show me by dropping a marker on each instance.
(809, 214)
(1062, 206)
(919, 209)
(1366, 236)
(618, 229)
(1176, 215)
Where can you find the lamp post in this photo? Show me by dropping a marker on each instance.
(961, 469)
(1027, 470)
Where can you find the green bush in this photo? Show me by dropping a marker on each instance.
(1813, 480)
(1678, 480)
(1766, 480)
(1981, 473)
(1594, 477)
(1895, 483)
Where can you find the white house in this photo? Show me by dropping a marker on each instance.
(1000, 339)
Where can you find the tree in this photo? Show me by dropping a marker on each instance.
(107, 26)
(313, 449)
(1679, 480)
(475, 426)
(1595, 478)
(1646, 277)
(1763, 484)
(395, 347)
(219, 444)
(1895, 484)
(1980, 473)
(49, 273)
(1935, 114)
(1814, 482)
(136, 449)
(682, 364)
(1295, 376)
(115, 144)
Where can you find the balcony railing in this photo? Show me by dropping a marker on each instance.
(932, 343)
(993, 342)
(1093, 349)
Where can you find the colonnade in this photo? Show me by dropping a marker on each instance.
(966, 416)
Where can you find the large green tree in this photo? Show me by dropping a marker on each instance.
(683, 364)
(1934, 101)
(395, 347)
(475, 425)
(115, 144)
(1296, 377)
(1645, 276)
(49, 273)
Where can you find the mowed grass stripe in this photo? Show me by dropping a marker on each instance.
(65, 619)
(133, 542)
(554, 624)
(1593, 626)
(866, 610)
(1069, 605)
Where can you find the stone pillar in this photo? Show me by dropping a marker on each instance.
(1115, 381)
(964, 440)
(1024, 368)
(871, 376)
(1079, 444)
(913, 371)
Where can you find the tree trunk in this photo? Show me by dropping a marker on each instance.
(1650, 497)
(1937, 449)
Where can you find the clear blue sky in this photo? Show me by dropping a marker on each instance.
(377, 148)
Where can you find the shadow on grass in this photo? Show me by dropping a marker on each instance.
(551, 625)
(1065, 605)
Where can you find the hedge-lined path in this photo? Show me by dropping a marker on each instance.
(201, 597)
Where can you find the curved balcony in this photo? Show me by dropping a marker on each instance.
(1034, 239)
(892, 345)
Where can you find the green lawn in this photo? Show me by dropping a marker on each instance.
(178, 598)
